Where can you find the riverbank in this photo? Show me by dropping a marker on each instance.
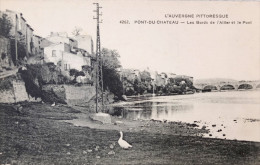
(41, 134)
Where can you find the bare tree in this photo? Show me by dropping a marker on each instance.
(77, 31)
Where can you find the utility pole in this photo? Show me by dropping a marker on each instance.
(99, 75)
(15, 40)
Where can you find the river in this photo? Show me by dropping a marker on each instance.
(228, 115)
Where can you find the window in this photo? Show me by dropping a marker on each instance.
(53, 53)
(65, 67)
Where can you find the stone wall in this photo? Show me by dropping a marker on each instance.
(17, 93)
(20, 93)
(72, 95)
(5, 54)
(79, 95)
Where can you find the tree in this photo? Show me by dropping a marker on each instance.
(5, 26)
(111, 77)
(76, 31)
(76, 73)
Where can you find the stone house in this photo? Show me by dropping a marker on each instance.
(20, 28)
(63, 51)
(85, 42)
(61, 55)
(37, 40)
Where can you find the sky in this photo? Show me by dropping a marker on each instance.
(198, 50)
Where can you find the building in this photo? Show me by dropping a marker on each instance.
(85, 42)
(37, 41)
(21, 30)
(60, 55)
(64, 52)
(5, 54)
(61, 37)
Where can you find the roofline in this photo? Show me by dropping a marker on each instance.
(37, 36)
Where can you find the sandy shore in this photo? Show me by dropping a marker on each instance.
(34, 133)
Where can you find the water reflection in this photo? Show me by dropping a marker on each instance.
(235, 112)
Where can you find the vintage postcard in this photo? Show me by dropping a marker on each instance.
(129, 82)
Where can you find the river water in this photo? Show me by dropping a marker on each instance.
(231, 114)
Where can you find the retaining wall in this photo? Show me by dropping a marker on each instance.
(72, 95)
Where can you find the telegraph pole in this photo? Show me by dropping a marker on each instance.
(99, 75)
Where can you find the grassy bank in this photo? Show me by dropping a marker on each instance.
(34, 134)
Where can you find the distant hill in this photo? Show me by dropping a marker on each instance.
(213, 80)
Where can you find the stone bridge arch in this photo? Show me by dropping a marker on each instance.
(212, 87)
(228, 87)
(245, 86)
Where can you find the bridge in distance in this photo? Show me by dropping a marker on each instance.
(239, 85)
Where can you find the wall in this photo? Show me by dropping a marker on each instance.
(29, 39)
(17, 93)
(37, 45)
(48, 53)
(73, 95)
(12, 17)
(5, 53)
(20, 93)
(73, 61)
(58, 39)
(79, 95)
(85, 42)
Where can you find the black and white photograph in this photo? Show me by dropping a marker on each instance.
(114, 82)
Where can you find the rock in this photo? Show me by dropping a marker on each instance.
(214, 125)
(20, 109)
(193, 125)
(98, 157)
(16, 122)
(68, 153)
(67, 145)
(14, 162)
(119, 122)
(219, 130)
(89, 150)
(111, 146)
(203, 127)
(210, 134)
(97, 147)
(124, 97)
(234, 120)
(102, 117)
(85, 152)
(111, 153)
(224, 134)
